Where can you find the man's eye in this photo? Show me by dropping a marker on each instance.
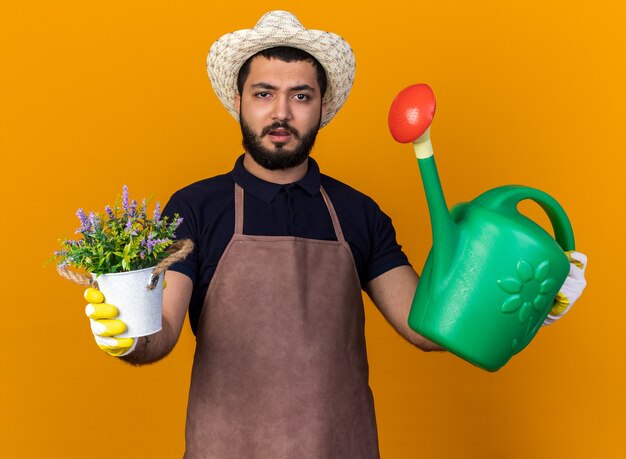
(262, 94)
(302, 97)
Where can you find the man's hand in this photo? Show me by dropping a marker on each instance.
(573, 287)
(105, 327)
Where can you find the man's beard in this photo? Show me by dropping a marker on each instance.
(280, 158)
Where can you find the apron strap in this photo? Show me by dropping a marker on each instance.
(239, 193)
(238, 209)
(333, 215)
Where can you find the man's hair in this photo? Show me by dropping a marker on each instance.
(285, 54)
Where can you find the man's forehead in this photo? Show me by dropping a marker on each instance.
(297, 72)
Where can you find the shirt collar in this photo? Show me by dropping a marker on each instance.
(267, 191)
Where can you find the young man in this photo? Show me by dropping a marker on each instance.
(282, 252)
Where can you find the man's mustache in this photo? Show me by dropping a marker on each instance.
(280, 125)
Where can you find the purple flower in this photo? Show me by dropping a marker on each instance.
(109, 212)
(71, 243)
(132, 209)
(84, 221)
(129, 228)
(143, 207)
(125, 198)
(94, 222)
(150, 243)
(65, 263)
(157, 213)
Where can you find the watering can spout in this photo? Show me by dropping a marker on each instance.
(410, 117)
(445, 232)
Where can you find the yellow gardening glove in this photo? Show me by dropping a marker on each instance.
(105, 327)
(572, 288)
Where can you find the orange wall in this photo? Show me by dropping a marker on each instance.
(95, 95)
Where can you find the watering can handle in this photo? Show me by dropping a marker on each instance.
(511, 196)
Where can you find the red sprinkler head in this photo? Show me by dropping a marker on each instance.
(411, 113)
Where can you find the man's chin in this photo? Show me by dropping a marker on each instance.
(278, 159)
(280, 147)
(280, 152)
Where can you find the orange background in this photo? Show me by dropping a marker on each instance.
(99, 94)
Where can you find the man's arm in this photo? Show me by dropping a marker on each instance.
(392, 293)
(176, 299)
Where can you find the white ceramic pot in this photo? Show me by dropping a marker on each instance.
(139, 307)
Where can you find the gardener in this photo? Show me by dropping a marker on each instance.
(281, 254)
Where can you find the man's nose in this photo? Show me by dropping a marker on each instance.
(282, 110)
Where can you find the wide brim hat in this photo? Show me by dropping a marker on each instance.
(281, 28)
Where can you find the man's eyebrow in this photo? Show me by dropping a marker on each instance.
(262, 85)
(303, 87)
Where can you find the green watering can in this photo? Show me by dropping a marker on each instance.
(492, 274)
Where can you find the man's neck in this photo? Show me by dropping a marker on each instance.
(281, 176)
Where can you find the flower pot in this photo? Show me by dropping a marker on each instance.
(139, 306)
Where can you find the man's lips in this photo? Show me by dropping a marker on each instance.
(278, 131)
(279, 134)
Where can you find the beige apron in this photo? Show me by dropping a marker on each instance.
(280, 369)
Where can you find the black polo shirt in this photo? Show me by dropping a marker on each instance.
(297, 209)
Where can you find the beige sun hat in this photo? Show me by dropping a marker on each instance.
(281, 28)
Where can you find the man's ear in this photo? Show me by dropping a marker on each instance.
(237, 101)
(323, 106)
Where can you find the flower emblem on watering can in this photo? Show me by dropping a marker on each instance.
(528, 291)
